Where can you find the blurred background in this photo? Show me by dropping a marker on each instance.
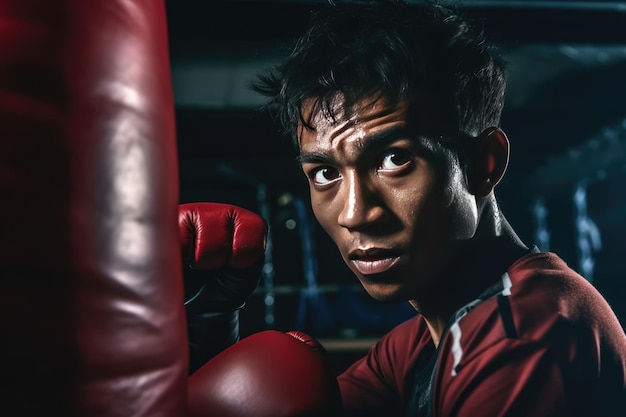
(565, 115)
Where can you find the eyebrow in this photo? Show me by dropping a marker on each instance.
(378, 140)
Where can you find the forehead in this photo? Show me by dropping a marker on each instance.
(342, 125)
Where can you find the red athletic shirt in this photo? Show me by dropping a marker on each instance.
(542, 342)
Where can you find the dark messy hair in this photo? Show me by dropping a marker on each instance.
(426, 56)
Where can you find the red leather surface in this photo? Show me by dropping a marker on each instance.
(91, 311)
(267, 374)
(214, 235)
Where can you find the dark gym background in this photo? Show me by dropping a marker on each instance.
(565, 116)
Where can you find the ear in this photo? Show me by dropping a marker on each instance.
(488, 161)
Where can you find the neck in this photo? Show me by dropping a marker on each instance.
(475, 264)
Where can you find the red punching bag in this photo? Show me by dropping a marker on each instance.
(91, 304)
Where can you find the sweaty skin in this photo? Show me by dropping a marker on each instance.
(395, 215)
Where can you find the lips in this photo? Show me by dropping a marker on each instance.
(373, 261)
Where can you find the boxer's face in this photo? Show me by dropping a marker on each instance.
(393, 209)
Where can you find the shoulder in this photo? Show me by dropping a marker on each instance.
(545, 301)
(544, 289)
(548, 325)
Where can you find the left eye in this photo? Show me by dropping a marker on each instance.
(395, 159)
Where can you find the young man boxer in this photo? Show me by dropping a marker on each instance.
(395, 110)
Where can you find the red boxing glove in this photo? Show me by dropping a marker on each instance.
(229, 243)
(267, 374)
(222, 247)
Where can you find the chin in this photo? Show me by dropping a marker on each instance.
(386, 293)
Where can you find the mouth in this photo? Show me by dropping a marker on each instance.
(373, 261)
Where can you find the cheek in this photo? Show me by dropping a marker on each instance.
(462, 211)
(322, 212)
(430, 212)
(326, 212)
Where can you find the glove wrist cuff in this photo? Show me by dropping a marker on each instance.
(210, 333)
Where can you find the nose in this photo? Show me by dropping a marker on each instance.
(361, 204)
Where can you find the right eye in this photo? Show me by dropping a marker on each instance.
(324, 175)
(396, 160)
